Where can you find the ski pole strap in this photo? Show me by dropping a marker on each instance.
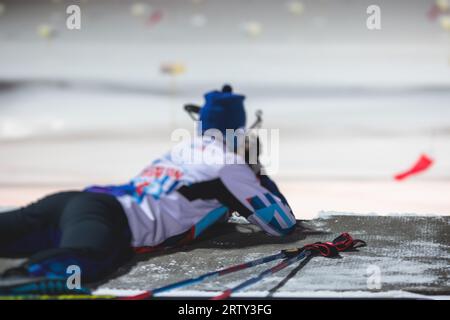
(329, 249)
(345, 242)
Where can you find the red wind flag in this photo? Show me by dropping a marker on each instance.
(422, 164)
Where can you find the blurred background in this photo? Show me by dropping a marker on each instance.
(354, 106)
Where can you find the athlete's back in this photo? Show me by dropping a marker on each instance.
(198, 183)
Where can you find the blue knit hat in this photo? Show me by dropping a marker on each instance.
(223, 110)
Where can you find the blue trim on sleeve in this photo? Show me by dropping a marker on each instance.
(209, 219)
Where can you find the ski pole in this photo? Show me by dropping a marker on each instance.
(280, 266)
(150, 293)
(290, 256)
(326, 249)
(341, 243)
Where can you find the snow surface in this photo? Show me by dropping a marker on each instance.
(350, 104)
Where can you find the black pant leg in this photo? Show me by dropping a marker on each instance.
(33, 227)
(94, 221)
(95, 237)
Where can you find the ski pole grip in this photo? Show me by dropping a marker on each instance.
(291, 252)
(345, 242)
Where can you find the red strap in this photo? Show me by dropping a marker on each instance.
(324, 249)
(330, 249)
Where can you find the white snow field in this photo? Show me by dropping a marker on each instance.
(340, 154)
(353, 108)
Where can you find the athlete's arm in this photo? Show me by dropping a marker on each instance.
(270, 185)
(239, 189)
(259, 200)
